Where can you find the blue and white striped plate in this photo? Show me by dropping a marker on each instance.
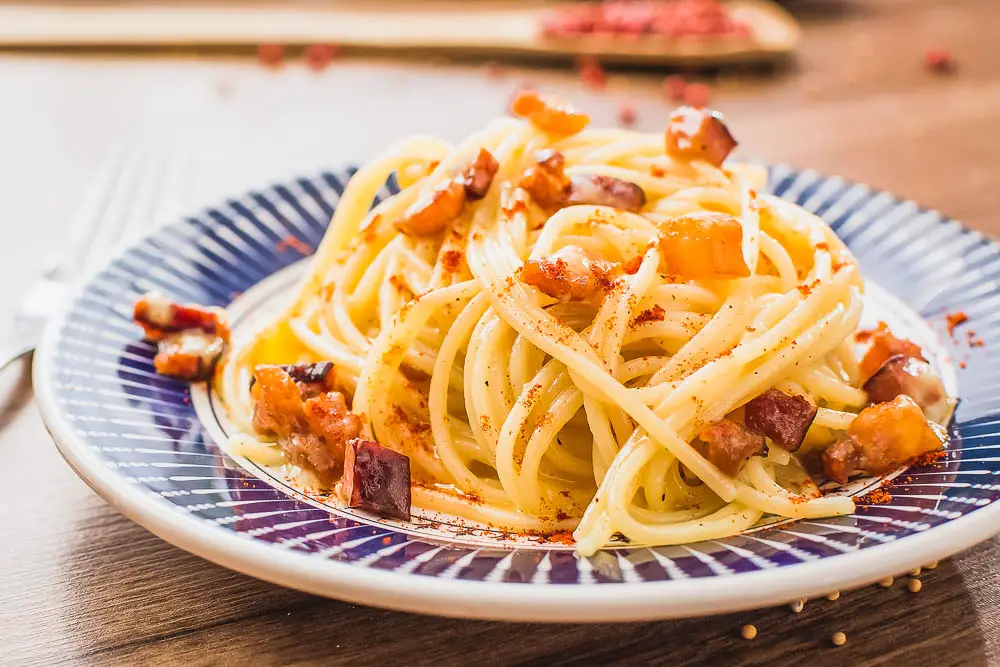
(149, 445)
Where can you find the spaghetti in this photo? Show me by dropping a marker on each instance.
(575, 400)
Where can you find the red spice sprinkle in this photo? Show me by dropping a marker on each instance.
(697, 94)
(291, 242)
(495, 70)
(938, 60)
(632, 266)
(654, 314)
(877, 497)
(954, 320)
(318, 56)
(271, 55)
(930, 458)
(674, 87)
(591, 72)
(564, 537)
(626, 114)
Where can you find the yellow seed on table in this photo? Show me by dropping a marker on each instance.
(798, 605)
(748, 631)
(915, 585)
(838, 639)
(931, 565)
(833, 596)
(886, 583)
(915, 572)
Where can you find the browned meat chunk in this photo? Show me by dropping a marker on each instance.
(890, 434)
(547, 113)
(841, 459)
(478, 175)
(730, 444)
(783, 418)
(699, 134)
(277, 406)
(606, 191)
(190, 338)
(159, 317)
(570, 275)
(312, 379)
(331, 427)
(883, 346)
(913, 377)
(311, 432)
(430, 215)
(546, 182)
(189, 355)
(376, 479)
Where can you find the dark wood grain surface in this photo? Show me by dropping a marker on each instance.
(81, 584)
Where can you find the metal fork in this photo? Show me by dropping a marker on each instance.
(135, 191)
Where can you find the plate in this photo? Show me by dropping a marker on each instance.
(150, 445)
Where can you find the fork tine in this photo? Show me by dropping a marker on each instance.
(126, 195)
(85, 223)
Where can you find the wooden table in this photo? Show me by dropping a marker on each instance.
(80, 583)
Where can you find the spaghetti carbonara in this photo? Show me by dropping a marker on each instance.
(589, 330)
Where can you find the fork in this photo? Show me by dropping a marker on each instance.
(135, 191)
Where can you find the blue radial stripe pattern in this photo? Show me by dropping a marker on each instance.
(143, 425)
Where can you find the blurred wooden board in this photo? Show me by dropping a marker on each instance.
(480, 28)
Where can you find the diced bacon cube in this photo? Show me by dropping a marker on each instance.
(698, 134)
(782, 418)
(915, 378)
(730, 444)
(376, 479)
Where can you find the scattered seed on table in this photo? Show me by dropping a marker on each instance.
(798, 605)
(931, 565)
(833, 596)
(748, 631)
(838, 639)
(915, 585)
(915, 572)
(886, 583)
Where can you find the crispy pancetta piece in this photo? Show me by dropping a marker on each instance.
(782, 418)
(312, 379)
(570, 275)
(606, 191)
(547, 113)
(698, 134)
(915, 378)
(883, 437)
(478, 175)
(841, 459)
(546, 180)
(703, 245)
(431, 214)
(883, 345)
(730, 444)
(311, 431)
(376, 479)
(190, 338)
(160, 317)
